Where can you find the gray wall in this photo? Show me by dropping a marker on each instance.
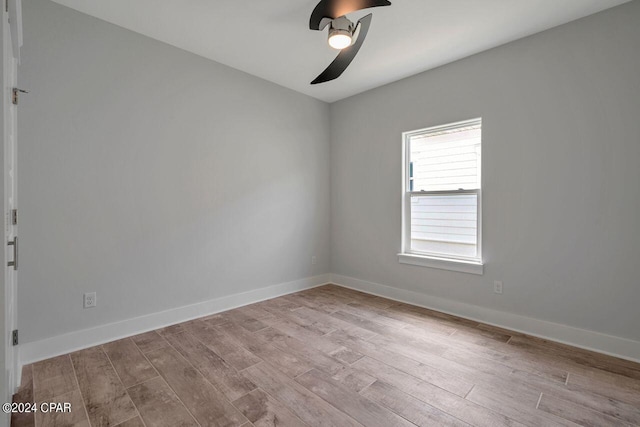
(561, 174)
(155, 177)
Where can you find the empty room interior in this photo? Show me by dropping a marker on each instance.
(321, 213)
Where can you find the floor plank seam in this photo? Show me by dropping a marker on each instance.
(258, 388)
(137, 416)
(75, 376)
(144, 381)
(469, 392)
(328, 402)
(205, 376)
(539, 399)
(249, 392)
(171, 388)
(179, 400)
(120, 379)
(365, 388)
(114, 368)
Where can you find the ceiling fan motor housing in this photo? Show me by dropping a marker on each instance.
(341, 25)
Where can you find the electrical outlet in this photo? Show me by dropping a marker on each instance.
(313, 260)
(90, 300)
(497, 287)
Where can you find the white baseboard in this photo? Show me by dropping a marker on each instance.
(589, 340)
(78, 340)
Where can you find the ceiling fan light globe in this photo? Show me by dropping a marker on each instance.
(339, 39)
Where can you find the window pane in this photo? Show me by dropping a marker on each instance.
(446, 160)
(445, 224)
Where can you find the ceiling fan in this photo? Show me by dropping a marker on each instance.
(344, 35)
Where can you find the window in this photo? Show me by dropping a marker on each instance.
(442, 197)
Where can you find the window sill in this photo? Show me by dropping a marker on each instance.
(442, 263)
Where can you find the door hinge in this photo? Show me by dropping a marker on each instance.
(13, 243)
(15, 337)
(14, 216)
(16, 94)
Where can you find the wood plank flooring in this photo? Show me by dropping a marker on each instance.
(331, 356)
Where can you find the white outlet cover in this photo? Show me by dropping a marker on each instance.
(90, 300)
(497, 287)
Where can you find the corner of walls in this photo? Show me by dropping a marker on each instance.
(158, 181)
(547, 115)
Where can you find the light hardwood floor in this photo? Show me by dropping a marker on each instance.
(333, 357)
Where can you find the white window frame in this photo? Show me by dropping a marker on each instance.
(435, 260)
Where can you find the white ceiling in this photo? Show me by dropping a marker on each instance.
(271, 39)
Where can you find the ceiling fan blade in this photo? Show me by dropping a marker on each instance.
(328, 10)
(346, 55)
